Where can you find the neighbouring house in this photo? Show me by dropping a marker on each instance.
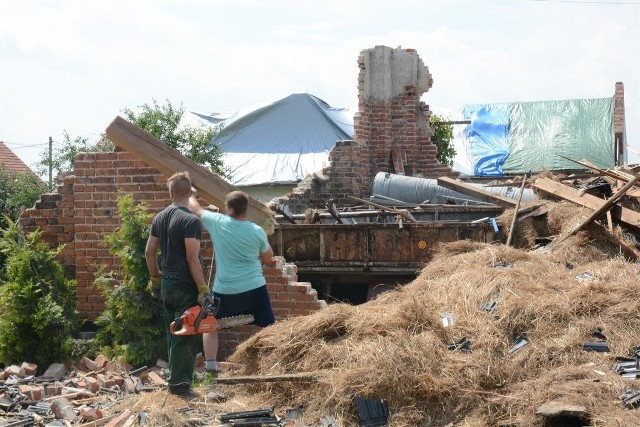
(10, 161)
(271, 147)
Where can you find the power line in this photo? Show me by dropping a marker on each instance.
(17, 145)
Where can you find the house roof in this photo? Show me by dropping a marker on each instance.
(10, 161)
(279, 142)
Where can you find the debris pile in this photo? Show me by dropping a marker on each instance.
(533, 334)
(523, 353)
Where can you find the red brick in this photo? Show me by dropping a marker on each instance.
(31, 391)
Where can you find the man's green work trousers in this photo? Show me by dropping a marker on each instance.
(177, 296)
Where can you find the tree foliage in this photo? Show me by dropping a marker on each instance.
(442, 136)
(62, 158)
(18, 191)
(37, 302)
(130, 327)
(163, 122)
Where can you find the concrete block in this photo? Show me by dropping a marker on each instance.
(63, 410)
(55, 371)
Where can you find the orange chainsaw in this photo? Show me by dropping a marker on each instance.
(199, 320)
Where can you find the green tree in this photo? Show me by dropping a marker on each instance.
(62, 158)
(442, 136)
(18, 191)
(130, 327)
(163, 122)
(37, 302)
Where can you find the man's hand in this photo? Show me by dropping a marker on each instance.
(204, 295)
(155, 287)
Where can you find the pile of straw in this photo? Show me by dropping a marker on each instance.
(396, 346)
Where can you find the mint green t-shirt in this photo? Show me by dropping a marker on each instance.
(237, 245)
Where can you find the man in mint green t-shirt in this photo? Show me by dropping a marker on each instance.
(241, 247)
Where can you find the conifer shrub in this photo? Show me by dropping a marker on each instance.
(38, 315)
(131, 326)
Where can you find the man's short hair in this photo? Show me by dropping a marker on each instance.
(238, 201)
(179, 185)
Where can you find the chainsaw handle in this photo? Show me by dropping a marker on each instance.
(210, 308)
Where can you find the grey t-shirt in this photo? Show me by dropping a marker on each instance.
(171, 227)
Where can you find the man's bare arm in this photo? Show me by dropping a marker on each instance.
(267, 256)
(151, 255)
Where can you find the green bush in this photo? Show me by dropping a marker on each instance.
(131, 326)
(37, 303)
(442, 136)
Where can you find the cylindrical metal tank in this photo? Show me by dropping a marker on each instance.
(427, 191)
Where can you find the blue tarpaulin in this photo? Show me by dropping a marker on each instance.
(519, 137)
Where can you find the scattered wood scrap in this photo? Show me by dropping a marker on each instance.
(623, 215)
(605, 207)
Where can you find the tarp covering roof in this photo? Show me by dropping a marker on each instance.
(518, 137)
(279, 142)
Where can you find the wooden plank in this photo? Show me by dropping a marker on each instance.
(398, 163)
(613, 173)
(478, 193)
(626, 216)
(165, 159)
(515, 212)
(405, 214)
(606, 206)
(302, 377)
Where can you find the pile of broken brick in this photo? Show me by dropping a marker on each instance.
(67, 394)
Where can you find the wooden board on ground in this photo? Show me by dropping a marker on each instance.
(478, 193)
(165, 159)
(626, 216)
(302, 377)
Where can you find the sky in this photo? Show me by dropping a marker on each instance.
(75, 65)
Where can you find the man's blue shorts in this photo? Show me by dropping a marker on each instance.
(255, 302)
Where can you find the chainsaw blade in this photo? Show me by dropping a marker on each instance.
(229, 322)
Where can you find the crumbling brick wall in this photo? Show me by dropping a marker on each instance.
(391, 133)
(84, 211)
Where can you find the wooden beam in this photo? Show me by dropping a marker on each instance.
(397, 158)
(606, 206)
(613, 173)
(302, 377)
(165, 159)
(478, 193)
(515, 212)
(626, 216)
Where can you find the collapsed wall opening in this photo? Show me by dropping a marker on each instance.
(353, 289)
